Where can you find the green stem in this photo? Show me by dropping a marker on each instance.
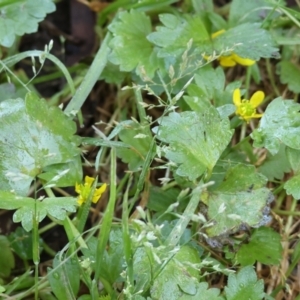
(286, 213)
(271, 77)
(107, 223)
(290, 218)
(247, 82)
(35, 245)
(141, 110)
(243, 131)
(187, 215)
(126, 236)
(36, 53)
(90, 78)
(48, 250)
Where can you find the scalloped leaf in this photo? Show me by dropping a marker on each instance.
(137, 136)
(247, 40)
(55, 207)
(65, 277)
(174, 36)
(22, 16)
(231, 211)
(195, 140)
(292, 186)
(7, 260)
(244, 285)
(33, 136)
(240, 200)
(130, 47)
(177, 277)
(264, 246)
(242, 11)
(289, 74)
(280, 124)
(274, 166)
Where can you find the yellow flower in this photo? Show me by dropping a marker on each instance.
(246, 109)
(232, 59)
(84, 190)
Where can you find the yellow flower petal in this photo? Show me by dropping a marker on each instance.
(80, 200)
(237, 97)
(257, 98)
(243, 61)
(88, 181)
(98, 193)
(85, 189)
(227, 61)
(77, 188)
(214, 35)
(257, 116)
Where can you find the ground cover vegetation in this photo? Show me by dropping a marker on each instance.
(164, 163)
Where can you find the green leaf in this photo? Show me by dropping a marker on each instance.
(177, 277)
(274, 166)
(55, 207)
(112, 74)
(7, 261)
(244, 285)
(63, 175)
(203, 293)
(160, 200)
(113, 263)
(210, 79)
(264, 246)
(209, 87)
(229, 212)
(33, 136)
(203, 5)
(20, 17)
(21, 243)
(290, 75)
(7, 91)
(209, 84)
(296, 254)
(246, 40)
(292, 186)
(130, 47)
(104, 142)
(217, 21)
(64, 278)
(195, 141)
(177, 32)
(239, 200)
(143, 269)
(137, 136)
(293, 158)
(242, 11)
(241, 178)
(279, 124)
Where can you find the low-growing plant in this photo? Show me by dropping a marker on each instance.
(206, 123)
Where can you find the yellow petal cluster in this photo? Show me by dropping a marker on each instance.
(232, 59)
(84, 190)
(246, 109)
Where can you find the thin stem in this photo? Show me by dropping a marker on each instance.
(90, 78)
(106, 225)
(271, 77)
(126, 236)
(243, 131)
(187, 215)
(286, 213)
(35, 245)
(247, 82)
